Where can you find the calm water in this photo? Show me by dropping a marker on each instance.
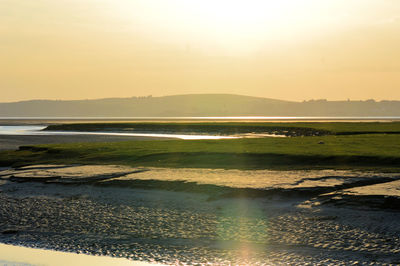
(239, 118)
(37, 130)
(23, 256)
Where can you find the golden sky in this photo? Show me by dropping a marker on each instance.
(286, 49)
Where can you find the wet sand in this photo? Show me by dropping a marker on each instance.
(158, 215)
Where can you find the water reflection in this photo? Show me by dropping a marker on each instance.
(15, 255)
(38, 131)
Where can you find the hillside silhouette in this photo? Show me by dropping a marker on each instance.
(197, 105)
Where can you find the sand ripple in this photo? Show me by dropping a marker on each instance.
(179, 227)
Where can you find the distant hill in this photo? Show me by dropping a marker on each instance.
(197, 105)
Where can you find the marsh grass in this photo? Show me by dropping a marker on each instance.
(288, 128)
(367, 151)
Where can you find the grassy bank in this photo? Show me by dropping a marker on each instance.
(283, 128)
(375, 152)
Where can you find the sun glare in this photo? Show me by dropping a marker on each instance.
(237, 25)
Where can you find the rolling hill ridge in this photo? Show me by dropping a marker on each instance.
(195, 105)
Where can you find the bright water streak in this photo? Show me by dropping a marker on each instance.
(210, 118)
(37, 130)
(15, 255)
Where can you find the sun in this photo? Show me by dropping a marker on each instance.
(235, 18)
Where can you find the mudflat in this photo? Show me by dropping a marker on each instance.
(189, 216)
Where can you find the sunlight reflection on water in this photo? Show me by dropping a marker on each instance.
(16, 255)
(37, 130)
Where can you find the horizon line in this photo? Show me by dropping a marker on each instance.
(192, 94)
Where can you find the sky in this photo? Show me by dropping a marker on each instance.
(287, 49)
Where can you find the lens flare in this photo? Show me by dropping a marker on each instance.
(243, 228)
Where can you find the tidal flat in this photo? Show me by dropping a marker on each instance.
(189, 216)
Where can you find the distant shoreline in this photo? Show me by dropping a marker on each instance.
(67, 120)
(267, 118)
